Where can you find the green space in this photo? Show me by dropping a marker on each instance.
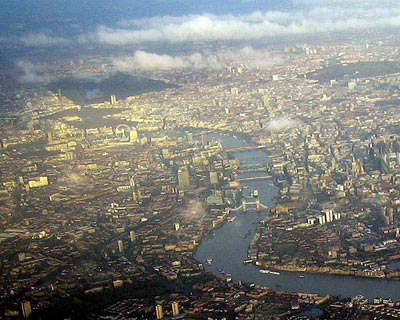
(97, 89)
(92, 117)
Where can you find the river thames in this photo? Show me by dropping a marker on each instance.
(228, 246)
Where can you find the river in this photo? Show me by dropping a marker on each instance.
(228, 247)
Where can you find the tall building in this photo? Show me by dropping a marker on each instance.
(132, 236)
(328, 215)
(321, 219)
(175, 308)
(159, 312)
(133, 135)
(26, 309)
(183, 178)
(120, 246)
(113, 99)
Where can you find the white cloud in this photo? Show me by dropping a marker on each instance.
(41, 39)
(31, 73)
(282, 124)
(142, 60)
(307, 18)
(326, 16)
(145, 61)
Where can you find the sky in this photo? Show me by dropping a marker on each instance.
(139, 25)
(43, 22)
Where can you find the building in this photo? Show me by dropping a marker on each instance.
(214, 178)
(321, 219)
(133, 135)
(175, 308)
(21, 256)
(132, 236)
(113, 99)
(159, 312)
(120, 246)
(43, 181)
(26, 309)
(183, 178)
(328, 215)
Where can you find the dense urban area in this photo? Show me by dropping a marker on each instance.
(104, 205)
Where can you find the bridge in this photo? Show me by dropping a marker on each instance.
(254, 178)
(244, 206)
(256, 167)
(245, 148)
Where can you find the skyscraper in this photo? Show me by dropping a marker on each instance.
(159, 312)
(120, 246)
(113, 99)
(26, 309)
(175, 308)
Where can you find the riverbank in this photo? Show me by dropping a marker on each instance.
(228, 248)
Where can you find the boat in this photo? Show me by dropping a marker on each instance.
(275, 273)
(209, 260)
(269, 272)
(248, 261)
(255, 193)
(231, 219)
(301, 277)
(228, 277)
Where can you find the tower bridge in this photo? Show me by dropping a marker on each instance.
(244, 206)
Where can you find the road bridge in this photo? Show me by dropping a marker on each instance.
(244, 206)
(255, 178)
(244, 148)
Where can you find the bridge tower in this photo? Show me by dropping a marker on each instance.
(244, 205)
(258, 205)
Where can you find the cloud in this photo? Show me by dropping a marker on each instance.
(41, 39)
(282, 124)
(324, 16)
(75, 180)
(305, 17)
(145, 61)
(31, 73)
